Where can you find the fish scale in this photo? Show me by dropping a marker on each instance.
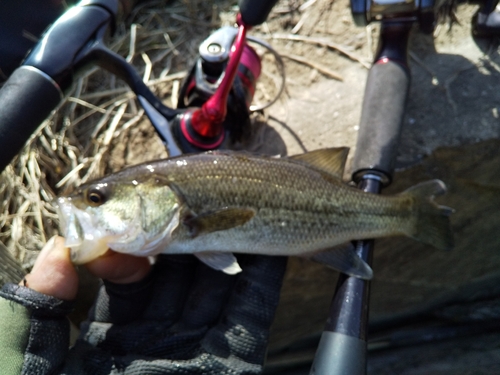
(218, 203)
(290, 186)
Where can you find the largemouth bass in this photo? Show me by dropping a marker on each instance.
(218, 203)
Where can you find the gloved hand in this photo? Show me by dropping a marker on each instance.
(182, 318)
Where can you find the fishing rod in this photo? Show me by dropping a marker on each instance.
(343, 345)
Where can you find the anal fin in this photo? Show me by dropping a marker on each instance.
(343, 258)
(225, 262)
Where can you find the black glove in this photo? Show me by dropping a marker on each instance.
(183, 318)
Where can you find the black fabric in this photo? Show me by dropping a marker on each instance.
(40, 305)
(184, 318)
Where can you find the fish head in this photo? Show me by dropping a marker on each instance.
(134, 217)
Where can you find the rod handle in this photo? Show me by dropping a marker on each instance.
(26, 99)
(382, 115)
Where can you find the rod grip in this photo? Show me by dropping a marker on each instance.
(382, 114)
(26, 99)
(255, 12)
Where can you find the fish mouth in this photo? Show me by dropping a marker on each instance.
(85, 242)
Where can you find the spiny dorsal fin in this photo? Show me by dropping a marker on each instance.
(225, 218)
(329, 160)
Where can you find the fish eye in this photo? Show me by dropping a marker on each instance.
(96, 196)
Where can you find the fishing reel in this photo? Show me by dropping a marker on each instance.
(208, 89)
(422, 11)
(208, 71)
(205, 78)
(214, 105)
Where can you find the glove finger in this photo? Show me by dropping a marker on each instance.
(200, 309)
(121, 303)
(149, 307)
(122, 300)
(207, 297)
(160, 295)
(243, 328)
(173, 275)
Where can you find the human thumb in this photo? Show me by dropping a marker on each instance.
(53, 273)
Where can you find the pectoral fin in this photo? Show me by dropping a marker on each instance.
(329, 160)
(225, 262)
(223, 219)
(343, 258)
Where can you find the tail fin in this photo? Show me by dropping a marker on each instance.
(432, 223)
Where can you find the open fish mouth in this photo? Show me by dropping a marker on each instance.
(85, 241)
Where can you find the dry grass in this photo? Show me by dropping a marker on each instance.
(77, 141)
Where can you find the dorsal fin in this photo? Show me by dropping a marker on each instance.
(329, 160)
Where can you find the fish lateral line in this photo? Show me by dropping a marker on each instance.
(217, 220)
